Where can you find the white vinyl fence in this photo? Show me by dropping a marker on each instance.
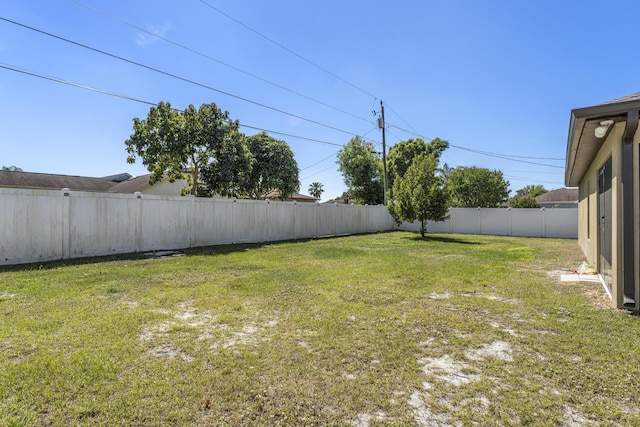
(42, 225)
(558, 223)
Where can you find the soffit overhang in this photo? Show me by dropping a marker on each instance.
(582, 144)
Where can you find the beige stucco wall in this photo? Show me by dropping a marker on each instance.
(166, 188)
(636, 211)
(588, 218)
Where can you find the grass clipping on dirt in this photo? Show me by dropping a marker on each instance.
(374, 330)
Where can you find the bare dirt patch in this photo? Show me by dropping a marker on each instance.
(206, 327)
(498, 350)
(447, 370)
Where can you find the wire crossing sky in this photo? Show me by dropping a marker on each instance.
(497, 79)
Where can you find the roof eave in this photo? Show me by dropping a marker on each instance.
(579, 140)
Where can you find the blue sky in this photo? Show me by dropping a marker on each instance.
(491, 76)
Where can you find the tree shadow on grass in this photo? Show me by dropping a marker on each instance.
(135, 256)
(214, 250)
(443, 239)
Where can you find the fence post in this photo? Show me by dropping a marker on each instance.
(295, 212)
(267, 232)
(544, 222)
(366, 218)
(233, 220)
(510, 213)
(66, 226)
(138, 219)
(450, 221)
(479, 224)
(315, 218)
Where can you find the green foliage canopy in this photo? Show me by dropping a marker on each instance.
(475, 187)
(182, 144)
(420, 194)
(526, 196)
(523, 201)
(532, 190)
(361, 167)
(402, 154)
(273, 168)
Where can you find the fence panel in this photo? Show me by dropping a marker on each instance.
(281, 221)
(305, 220)
(165, 224)
(102, 225)
(326, 220)
(32, 226)
(213, 221)
(251, 221)
(527, 222)
(494, 221)
(464, 221)
(561, 223)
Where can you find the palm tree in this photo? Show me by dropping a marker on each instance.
(315, 189)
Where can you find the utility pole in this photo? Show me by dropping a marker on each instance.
(384, 151)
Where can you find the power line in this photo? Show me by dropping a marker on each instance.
(287, 49)
(401, 118)
(181, 46)
(292, 136)
(517, 178)
(165, 73)
(316, 173)
(317, 163)
(490, 154)
(130, 98)
(77, 85)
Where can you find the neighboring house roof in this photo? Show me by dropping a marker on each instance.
(118, 177)
(561, 195)
(131, 185)
(343, 201)
(141, 184)
(303, 198)
(296, 197)
(50, 181)
(582, 144)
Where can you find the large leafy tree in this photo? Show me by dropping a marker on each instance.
(273, 168)
(420, 194)
(315, 189)
(526, 201)
(526, 196)
(475, 187)
(361, 167)
(184, 144)
(227, 174)
(402, 154)
(532, 190)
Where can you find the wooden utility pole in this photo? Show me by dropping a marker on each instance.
(384, 152)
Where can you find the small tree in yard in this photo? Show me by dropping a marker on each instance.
(420, 194)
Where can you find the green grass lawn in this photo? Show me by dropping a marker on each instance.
(373, 330)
